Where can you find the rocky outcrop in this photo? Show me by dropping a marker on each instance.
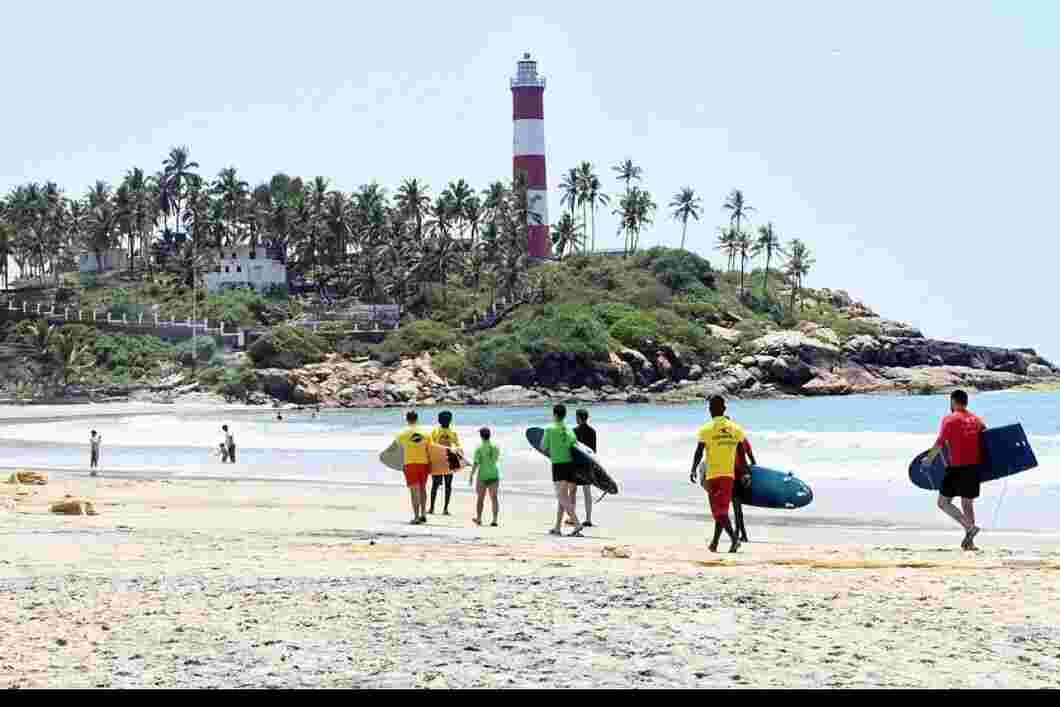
(511, 395)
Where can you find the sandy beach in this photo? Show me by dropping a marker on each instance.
(250, 584)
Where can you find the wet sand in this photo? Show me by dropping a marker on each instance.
(250, 584)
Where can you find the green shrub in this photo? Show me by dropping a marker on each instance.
(237, 383)
(287, 347)
(563, 329)
(695, 309)
(680, 270)
(450, 365)
(635, 330)
(210, 376)
(417, 337)
(650, 296)
(497, 360)
(130, 358)
(611, 312)
(199, 348)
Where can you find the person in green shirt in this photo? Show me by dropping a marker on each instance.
(489, 476)
(557, 442)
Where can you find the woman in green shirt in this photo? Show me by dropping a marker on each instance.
(489, 475)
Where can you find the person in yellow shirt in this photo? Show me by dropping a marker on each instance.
(718, 440)
(416, 444)
(446, 436)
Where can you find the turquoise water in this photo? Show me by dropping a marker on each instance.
(853, 451)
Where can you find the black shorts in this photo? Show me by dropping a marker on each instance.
(961, 481)
(563, 472)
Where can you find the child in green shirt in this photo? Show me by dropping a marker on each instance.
(558, 441)
(489, 476)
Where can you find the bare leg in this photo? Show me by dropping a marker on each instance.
(414, 497)
(741, 529)
(448, 491)
(968, 504)
(588, 503)
(436, 482)
(423, 501)
(561, 491)
(564, 493)
(947, 507)
(494, 502)
(481, 493)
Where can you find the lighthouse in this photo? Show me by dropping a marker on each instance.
(528, 115)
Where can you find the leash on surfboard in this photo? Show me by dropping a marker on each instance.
(601, 497)
(997, 509)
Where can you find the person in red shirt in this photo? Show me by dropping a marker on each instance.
(743, 485)
(961, 435)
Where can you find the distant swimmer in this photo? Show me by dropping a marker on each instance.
(961, 434)
(222, 452)
(742, 485)
(279, 417)
(557, 442)
(587, 436)
(416, 445)
(95, 441)
(446, 436)
(718, 440)
(230, 442)
(487, 472)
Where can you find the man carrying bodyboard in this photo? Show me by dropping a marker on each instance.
(961, 434)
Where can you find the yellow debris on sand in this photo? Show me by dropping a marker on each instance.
(71, 506)
(36, 478)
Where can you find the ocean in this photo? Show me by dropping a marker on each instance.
(853, 451)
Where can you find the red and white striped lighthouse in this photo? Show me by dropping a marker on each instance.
(528, 114)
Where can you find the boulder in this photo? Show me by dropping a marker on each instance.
(724, 333)
(663, 367)
(658, 386)
(826, 383)
(305, 394)
(637, 398)
(736, 379)
(635, 359)
(1037, 370)
(275, 382)
(796, 344)
(695, 372)
(511, 395)
(790, 371)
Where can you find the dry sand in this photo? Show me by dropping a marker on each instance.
(243, 584)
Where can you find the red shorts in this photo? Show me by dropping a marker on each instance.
(719, 491)
(417, 474)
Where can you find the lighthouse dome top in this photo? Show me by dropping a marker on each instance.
(526, 74)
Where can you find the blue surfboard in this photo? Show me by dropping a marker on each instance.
(1006, 449)
(771, 488)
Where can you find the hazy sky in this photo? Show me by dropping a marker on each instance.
(913, 145)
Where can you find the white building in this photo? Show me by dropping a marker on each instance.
(237, 268)
(113, 259)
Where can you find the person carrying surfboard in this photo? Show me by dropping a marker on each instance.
(445, 436)
(718, 440)
(587, 436)
(961, 434)
(557, 442)
(488, 476)
(415, 443)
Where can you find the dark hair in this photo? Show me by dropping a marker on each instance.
(559, 411)
(445, 418)
(411, 416)
(93, 432)
(224, 427)
(959, 396)
(582, 414)
(717, 404)
(484, 433)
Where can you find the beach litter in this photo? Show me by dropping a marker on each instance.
(71, 506)
(617, 552)
(34, 478)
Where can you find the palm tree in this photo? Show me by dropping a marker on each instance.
(627, 172)
(138, 187)
(101, 218)
(233, 193)
(71, 358)
(738, 208)
(180, 175)
(684, 205)
(570, 189)
(567, 234)
(338, 222)
(745, 247)
(635, 210)
(800, 261)
(592, 193)
(413, 202)
(7, 238)
(727, 243)
(317, 203)
(769, 243)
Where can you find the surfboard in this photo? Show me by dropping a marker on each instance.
(1006, 449)
(393, 457)
(772, 488)
(588, 469)
(439, 460)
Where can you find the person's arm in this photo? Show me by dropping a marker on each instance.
(940, 444)
(592, 438)
(750, 452)
(696, 459)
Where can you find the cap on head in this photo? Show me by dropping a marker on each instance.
(717, 405)
(411, 416)
(559, 411)
(445, 418)
(484, 433)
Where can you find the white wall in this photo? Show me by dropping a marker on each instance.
(114, 259)
(259, 273)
